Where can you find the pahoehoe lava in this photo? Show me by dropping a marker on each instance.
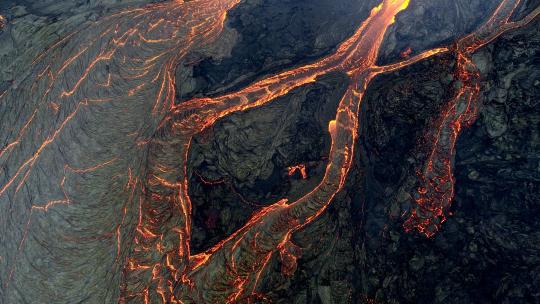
(89, 82)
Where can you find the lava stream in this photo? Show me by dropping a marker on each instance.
(128, 61)
(436, 189)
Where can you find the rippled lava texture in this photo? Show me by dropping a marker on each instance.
(357, 251)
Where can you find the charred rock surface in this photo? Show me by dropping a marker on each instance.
(241, 164)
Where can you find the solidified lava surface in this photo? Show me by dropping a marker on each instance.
(228, 151)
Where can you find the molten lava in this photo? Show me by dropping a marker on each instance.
(155, 257)
(436, 189)
(298, 168)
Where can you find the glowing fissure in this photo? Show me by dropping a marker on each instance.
(158, 266)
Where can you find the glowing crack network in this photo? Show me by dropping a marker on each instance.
(128, 60)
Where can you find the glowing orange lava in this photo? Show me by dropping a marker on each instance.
(436, 189)
(127, 61)
(298, 168)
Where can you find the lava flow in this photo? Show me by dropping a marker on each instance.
(114, 82)
(298, 168)
(437, 183)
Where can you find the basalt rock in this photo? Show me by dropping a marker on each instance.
(487, 251)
